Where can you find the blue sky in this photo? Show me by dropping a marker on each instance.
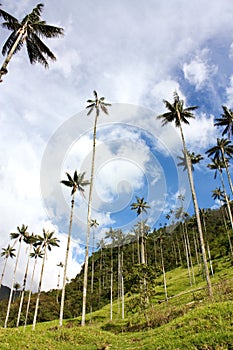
(135, 54)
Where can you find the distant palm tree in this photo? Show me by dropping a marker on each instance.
(77, 183)
(97, 105)
(222, 150)
(30, 240)
(19, 236)
(219, 194)
(227, 121)
(47, 241)
(217, 165)
(37, 253)
(7, 252)
(29, 31)
(194, 158)
(16, 287)
(101, 245)
(141, 207)
(112, 235)
(179, 114)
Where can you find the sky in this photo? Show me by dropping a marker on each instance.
(135, 54)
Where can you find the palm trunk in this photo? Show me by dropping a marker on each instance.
(66, 263)
(23, 288)
(92, 275)
(164, 273)
(3, 69)
(30, 293)
(38, 293)
(227, 170)
(111, 285)
(122, 288)
(142, 243)
(3, 272)
(88, 225)
(12, 286)
(196, 208)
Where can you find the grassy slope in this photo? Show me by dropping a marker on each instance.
(183, 323)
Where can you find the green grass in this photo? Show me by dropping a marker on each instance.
(189, 321)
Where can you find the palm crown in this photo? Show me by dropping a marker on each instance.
(226, 120)
(97, 104)
(77, 182)
(30, 30)
(177, 112)
(140, 206)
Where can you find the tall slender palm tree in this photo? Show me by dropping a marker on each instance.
(219, 194)
(224, 151)
(97, 105)
(30, 240)
(178, 114)
(77, 183)
(19, 237)
(141, 207)
(29, 31)
(94, 224)
(226, 121)
(47, 241)
(101, 245)
(217, 165)
(112, 235)
(37, 253)
(8, 252)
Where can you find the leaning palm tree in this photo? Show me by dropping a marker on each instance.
(8, 252)
(29, 31)
(19, 237)
(179, 115)
(30, 240)
(223, 150)
(141, 207)
(37, 253)
(47, 241)
(226, 121)
(97, 105)
(77, 183)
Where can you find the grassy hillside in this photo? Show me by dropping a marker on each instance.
(189, 320)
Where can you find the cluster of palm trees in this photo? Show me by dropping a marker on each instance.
(221, 153)
(37, 246)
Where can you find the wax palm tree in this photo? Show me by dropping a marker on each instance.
(101, 246)
(112, 235)
(19, 236)
(223, 150)
(8, 252)
(30, 240)
(94, 224)
(77, 183)
(37, 253)
(45, 242)
(204, 216)
(30, 31)
(97, 105)
(16, 288)
(226, 121)
(219, 194)
(178, 114)
(194, 159)
(217, 165)
(141, 207)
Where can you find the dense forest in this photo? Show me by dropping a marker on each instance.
(115, 269)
